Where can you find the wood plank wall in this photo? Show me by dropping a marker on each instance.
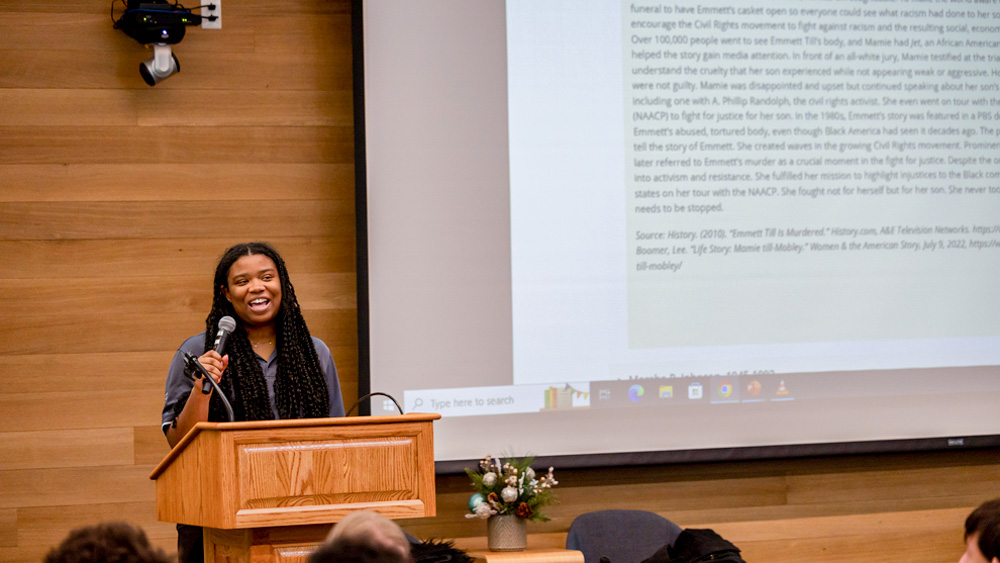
(116, 199)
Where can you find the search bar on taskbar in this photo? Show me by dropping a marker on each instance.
(504, 399)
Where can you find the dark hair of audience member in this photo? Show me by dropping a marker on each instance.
(349, 551)
(985, 522)
(109, 542)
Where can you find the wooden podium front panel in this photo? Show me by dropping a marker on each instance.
(308, 473)
(312, 471)
(185, 495)
(266, 545)
(293, 473)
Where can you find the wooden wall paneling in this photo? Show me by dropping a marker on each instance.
(312, 34)
(39, 69)
(95, 220)
(679, 496)
(32, 554)
(8, 527)
(150, 445)
(92, 144)
(199, 70)
(33, 107)
(848, 550)
(66, 448)
(916, 522)
(264, 8)
(212, 181)
(333, 322)
(91, 31)
(250, 108)
(71, 373)
(932, 536)
(86, 296)
(61, 258)
(346, 358)
(769, 513)
(34, 335)
(326, 290)
(893, 484)
(75, 486)
(122, 108)
(78, 410)
(50, 7)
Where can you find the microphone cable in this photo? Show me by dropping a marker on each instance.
(369, 396)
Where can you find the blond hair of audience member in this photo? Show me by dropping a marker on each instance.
(108, 542)
(982, 534)
(373, 529)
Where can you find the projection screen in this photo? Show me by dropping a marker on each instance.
(649, 231)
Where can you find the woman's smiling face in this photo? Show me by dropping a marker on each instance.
(254, 289)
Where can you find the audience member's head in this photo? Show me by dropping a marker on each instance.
(111, 542)
(982, 534)
(364, 537)
(348, 551)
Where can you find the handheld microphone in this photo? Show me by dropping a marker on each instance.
(226, 326)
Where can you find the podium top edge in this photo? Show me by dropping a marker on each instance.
(300, 422)
(287, 423)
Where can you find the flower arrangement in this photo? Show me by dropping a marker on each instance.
(512, 488)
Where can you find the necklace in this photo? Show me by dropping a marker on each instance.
(256, 344)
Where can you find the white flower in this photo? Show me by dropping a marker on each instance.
(529, 474)
(490, 479)
(482, 511)
(508, 494)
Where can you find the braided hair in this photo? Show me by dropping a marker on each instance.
(300, 387)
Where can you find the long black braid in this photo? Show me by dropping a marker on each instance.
(300, 387)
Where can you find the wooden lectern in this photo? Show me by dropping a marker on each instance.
(270, 490)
